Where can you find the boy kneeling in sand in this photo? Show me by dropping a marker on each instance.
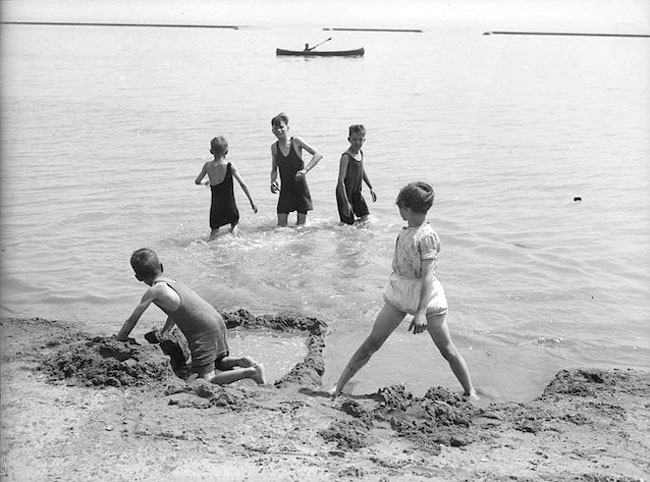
(198, 320)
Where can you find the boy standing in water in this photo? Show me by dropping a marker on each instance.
(286, 156)
(413, 289)
(349, 200)
(198, 320)
(223, 209)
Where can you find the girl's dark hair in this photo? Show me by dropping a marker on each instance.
(281, 117)
(145, 263)
(416, 195)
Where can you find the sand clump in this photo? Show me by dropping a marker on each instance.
(104, 361)
(438, 418)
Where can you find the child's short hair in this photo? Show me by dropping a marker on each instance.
(145, 263)
(416, 195)
(281, 117)
(357, 128)
(219, 146)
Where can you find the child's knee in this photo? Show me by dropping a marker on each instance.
(448, 351)
(246, 362)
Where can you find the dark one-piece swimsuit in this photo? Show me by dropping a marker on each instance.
(294, 195)
(352, 185)
(223, 209)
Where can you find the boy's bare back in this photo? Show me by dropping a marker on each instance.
(216, 171)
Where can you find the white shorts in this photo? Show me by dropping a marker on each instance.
(404, 294)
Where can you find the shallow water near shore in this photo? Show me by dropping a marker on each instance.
(105, 129)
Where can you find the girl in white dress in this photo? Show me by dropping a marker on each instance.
(413, 289)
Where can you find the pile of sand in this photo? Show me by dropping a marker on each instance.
(104, 361)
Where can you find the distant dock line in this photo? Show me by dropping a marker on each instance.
(574, 34)
(101, 24)
(349, 29)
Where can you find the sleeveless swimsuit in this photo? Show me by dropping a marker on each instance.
(224, 208)
(352, 183)
(202, 326)
(294, 195)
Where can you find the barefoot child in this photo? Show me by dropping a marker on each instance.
(286, 156)
(412, 288)
(198, 320)
(349, 200)
(223, 209)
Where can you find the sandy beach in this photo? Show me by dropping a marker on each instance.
(77, 407)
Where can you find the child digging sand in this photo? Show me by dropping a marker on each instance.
(198, 320)
(412, 288)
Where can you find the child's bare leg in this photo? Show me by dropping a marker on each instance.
(234, 229)
(228, 376)
(230, 362)
(283, 219)
(387, 320)
(439, 331)
(302, 219)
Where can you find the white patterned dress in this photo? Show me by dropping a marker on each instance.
(402, 291)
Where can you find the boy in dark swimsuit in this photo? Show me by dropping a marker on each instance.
(286, 156)
(223, 209)
(197, 319)
(349, 200)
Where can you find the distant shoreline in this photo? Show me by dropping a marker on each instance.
(115, 24)
(352, 29)
(573, 34)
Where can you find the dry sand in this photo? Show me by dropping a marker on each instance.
(78, 408)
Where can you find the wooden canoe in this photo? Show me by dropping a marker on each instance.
(321, 53)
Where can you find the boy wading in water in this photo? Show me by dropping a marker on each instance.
(286, 156)
(223, 209)
(352, 175)
(412, 289)
(197, 319)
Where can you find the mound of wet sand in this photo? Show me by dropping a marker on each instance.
(104, 361)
(438, 418)
(574, 398)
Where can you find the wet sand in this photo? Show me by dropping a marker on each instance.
(79, 407)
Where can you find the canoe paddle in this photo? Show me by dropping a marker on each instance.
(309, 49)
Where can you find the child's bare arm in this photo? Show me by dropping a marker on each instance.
(367, 181)
(419, 322)
(132, 320)
(343, 167)
(315, 155)
(274, 171)
(236, 175)
(201, 175)
(168, 325)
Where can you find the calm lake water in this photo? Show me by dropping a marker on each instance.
(105, 128)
